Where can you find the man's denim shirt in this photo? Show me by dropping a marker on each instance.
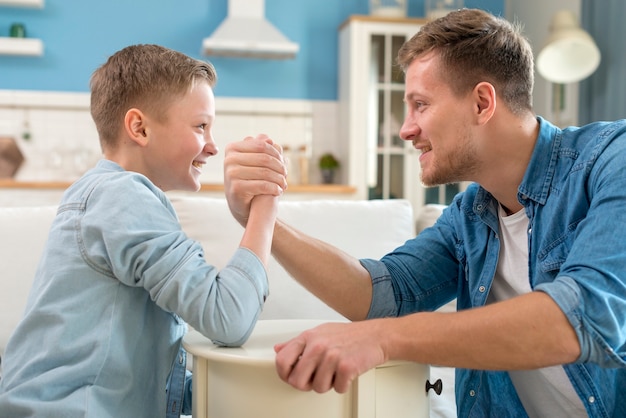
(574, 194)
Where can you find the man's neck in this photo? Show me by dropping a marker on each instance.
(513, 141)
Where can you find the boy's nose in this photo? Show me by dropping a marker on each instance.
(211, 147)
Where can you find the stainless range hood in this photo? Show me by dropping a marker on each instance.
(245, 33)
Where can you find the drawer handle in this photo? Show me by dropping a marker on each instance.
(437, 386)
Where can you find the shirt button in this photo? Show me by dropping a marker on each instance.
(472, 393)
(592, 399)
(481, 289)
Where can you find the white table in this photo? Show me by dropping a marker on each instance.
(242, 382)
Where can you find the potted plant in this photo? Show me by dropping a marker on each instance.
(328, 164)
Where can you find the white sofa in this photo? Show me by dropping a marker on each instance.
(361, 228)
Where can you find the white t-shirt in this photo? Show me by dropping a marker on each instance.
(545, 392)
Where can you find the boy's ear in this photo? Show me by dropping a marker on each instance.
(135, 126)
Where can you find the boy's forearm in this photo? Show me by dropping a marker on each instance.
(260, 227)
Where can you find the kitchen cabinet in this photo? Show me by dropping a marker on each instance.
(21, 46)
(371, 112)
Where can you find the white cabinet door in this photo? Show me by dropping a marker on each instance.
(371, 92)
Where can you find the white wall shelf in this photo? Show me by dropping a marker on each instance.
(21, 46)
(37, 4)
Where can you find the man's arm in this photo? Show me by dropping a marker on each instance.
(254, 167)
(526, 332)
(335, 277)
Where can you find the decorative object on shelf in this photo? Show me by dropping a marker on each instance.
(292, 176)
(303, 164)
(328, 165)
(11, 158)
(439, 8)
(388, 8)
(17, 30)
(297, 161)
(26, 135)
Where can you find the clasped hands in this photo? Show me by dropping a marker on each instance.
(331, 355)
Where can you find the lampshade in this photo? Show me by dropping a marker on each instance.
(570, 54)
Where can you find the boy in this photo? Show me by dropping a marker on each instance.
(102, 331)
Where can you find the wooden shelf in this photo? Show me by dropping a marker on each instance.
(295, 188)
(35, 4)
(14, 184)
(21, 46)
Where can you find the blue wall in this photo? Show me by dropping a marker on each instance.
(79, 35)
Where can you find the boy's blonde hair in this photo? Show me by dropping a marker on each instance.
(146, 77)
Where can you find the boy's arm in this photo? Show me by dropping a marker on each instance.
(260, 226)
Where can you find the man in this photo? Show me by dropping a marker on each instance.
(532, 250)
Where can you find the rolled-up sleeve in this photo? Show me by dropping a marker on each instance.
(593, 345)
(383, 298)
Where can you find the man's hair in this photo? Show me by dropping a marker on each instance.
(147, 77)
(476, 46)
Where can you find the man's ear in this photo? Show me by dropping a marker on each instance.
(485, 97)
(135, 126)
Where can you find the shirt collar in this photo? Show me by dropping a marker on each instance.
(540, 172)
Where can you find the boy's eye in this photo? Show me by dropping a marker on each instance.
(202, 126)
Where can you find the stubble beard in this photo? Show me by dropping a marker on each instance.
(457, 166)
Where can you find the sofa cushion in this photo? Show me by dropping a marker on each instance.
(361, 228)
(427, 216)
(364, 229)
(24, 234)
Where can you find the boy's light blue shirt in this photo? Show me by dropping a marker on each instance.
(574, 194)
(105, 318)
